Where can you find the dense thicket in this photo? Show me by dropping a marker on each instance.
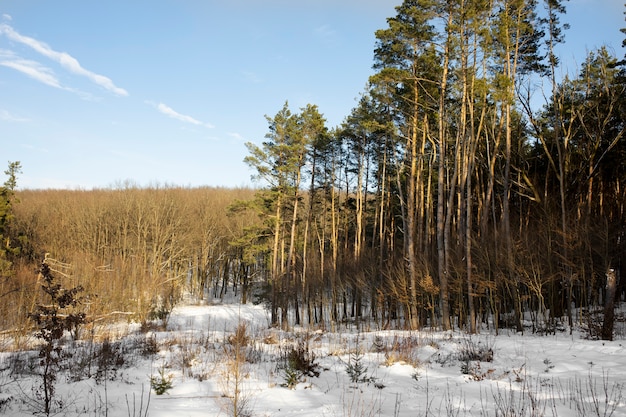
(450, 196)
(133, 250)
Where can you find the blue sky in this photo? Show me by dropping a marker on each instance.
(96, 93)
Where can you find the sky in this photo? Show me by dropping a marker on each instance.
(167, 92)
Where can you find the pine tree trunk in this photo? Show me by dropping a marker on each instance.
(609, 312)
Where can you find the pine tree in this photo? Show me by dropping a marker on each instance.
(409, 71)
(280, 163)
(8, 247)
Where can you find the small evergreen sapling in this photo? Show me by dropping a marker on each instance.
(298, 362)
(356, 370)
(162, 383)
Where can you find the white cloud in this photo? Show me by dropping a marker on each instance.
(8, 117)
(236, 135)
(325, 31)
(168, 111)
(64, 59)
(35, 148)
(251, 77)
(34, 70)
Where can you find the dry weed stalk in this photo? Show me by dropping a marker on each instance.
(237, 401)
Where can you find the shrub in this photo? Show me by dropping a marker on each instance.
(109, 359)
(149, 347)
(52, 320)
(240, 337)
(472, 350)
(403, 349)
(297, 363)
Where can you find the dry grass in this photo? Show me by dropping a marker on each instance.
(402, 350)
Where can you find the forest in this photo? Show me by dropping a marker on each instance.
(472, 186)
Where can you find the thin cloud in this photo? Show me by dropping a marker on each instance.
(236, 136)
(35, 148)
(251, 77)
(325, 31)
(8, 117)
(64, 59)
(34, 70)
(168, 111)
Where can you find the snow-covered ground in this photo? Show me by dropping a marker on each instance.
(210, 366)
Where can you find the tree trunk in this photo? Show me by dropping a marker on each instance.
(609, 311)
(441, 200)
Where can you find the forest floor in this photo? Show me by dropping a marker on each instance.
(224, 360)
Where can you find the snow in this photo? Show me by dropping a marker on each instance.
(401, 373)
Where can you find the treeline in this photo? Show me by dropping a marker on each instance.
(135, 251)
(451, 196)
